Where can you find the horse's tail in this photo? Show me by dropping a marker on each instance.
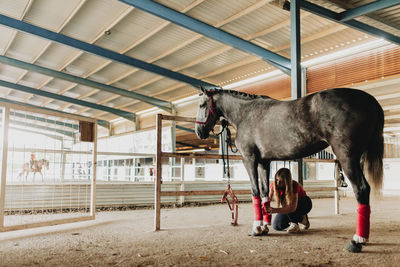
(373, 163)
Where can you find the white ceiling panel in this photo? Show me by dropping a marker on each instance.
(14, 8)
(56, 56)
(84, 65)
(96, 16)
(111, 72)
(7, 36)
(26, 47)
(9, 73)
(51, 14)
(130, 30)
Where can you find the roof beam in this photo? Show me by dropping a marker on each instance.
(334, 16)
(365, 9)
(103, 123)
(41, 127)
(36, 118)
(121, 113)
(190, 23)
(99, 51)
(75, 79)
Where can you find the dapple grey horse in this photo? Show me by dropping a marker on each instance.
(349, 120)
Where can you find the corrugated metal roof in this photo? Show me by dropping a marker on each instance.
(133, 32)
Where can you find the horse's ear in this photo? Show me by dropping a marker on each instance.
(205, 91)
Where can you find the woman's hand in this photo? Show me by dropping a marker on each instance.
(271, 210)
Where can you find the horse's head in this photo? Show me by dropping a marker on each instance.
(207, 114)
(44, 162)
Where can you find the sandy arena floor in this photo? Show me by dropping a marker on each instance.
(202, 236)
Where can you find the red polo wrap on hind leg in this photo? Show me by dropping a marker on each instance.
(266, 217)
(363, 214)
(257, 208)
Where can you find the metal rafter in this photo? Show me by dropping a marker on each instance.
(365, 9)
(253, 59)
(128, 115)
(27, 7)
(103, 123)
(59, 29)
(136, 43)
(99, 51)
(76, 79)
(249, 60)
(205, 29)
(216, 53)
(79, 53)
(191, 40)
(237, 64)
(334, 16)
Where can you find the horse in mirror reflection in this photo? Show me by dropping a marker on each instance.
(35, 167)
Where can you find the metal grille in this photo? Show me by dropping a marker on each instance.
(48, 173)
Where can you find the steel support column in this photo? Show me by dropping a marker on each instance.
(295, 54)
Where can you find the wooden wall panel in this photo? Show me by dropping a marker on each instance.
(361, 67)
(278, 87)
(343, 72)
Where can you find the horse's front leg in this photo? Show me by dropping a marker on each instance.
(250, 162)
(264, 172)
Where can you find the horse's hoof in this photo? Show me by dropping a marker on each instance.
(257, 231)
(264, 230)
(354, 247)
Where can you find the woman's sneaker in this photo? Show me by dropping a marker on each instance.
(305, 222)
(293, 228)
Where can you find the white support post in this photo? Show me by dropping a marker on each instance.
(93, 181)
(182, 198)
(157, 188)
(172, 161)
(6, 120)
(336, 197)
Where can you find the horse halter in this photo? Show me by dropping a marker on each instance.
(210, 112)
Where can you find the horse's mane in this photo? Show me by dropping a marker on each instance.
(240, 95)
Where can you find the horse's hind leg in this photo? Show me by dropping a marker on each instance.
(361, 188)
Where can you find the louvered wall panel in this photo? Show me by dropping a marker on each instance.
(369, 65)
(278, 87)
(366, 66)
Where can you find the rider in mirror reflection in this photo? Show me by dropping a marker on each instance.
(292, 202)
(32, 161)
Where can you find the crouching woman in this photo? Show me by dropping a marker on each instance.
(293, 204)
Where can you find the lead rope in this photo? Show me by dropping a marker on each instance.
(228, 142)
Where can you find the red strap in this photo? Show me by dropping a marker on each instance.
(363, 215)
(266, 216)
(210, 112)
(234, 207)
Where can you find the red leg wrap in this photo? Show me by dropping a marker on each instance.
(266, 217)
(363, 214)
(257, 208)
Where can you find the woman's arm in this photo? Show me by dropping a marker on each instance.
(271, 193)
(287, 209)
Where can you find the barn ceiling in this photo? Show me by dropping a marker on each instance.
(125, 60)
